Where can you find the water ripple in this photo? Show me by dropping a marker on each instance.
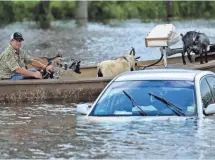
(96, 42)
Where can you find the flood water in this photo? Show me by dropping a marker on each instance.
(96, 42)
(36, 131)
(52, 131)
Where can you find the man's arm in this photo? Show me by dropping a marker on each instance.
(30, 60)
(38, 64)
(13, 65)
(27, 73)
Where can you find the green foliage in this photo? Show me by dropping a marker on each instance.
(6, 12)
(96, 10)
(11, 11)
(43, 14)
(24, 10)
(131, 11)
(194, 9)
(63, 10)
(126, 10)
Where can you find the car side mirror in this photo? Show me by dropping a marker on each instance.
(83, 109)
(210, 109)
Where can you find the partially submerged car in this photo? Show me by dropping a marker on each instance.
(156, 92)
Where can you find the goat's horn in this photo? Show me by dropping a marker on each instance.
(134, 51)
(131, 50)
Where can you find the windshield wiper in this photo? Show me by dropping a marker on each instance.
(134, 103)
(173, 107)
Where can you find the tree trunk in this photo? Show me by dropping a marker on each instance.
(169, 10)
(43, 14)
(82, 12)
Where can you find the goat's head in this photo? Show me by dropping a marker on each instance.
(132, 59)
(195, 38)
(56, 60)
(75, 66)
(190, 39)
(64, 65)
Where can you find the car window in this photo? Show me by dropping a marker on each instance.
(115, 103)
(211, 82)
(206, 93)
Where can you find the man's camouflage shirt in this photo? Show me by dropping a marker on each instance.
(10, 60)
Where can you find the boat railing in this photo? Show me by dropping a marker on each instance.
(174, 51)
(168, 52)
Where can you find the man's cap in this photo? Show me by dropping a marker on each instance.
(16, 36)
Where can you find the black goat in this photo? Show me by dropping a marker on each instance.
(74, 66)
(197, 43)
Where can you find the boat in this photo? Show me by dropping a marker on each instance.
(173, 62)
(85, 87)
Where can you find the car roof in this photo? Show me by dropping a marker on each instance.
(161, 74)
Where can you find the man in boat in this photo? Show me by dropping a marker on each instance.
(13, 61)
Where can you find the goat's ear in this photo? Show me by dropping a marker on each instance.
(181, 35)
(62, 59)
(137, 58)
(59, 54)
(70, 67)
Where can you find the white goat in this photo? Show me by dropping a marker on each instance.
(112, 68)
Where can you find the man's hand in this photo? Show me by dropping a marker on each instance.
(38, 75)
(49, 68)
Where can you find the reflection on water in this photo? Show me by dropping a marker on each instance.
(96, 42)
(54, 131)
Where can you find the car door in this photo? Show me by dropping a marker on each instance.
(206, 91)
(211, 82)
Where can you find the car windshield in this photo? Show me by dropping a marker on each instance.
(114, 101)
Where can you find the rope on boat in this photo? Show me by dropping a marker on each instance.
(155, 62)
